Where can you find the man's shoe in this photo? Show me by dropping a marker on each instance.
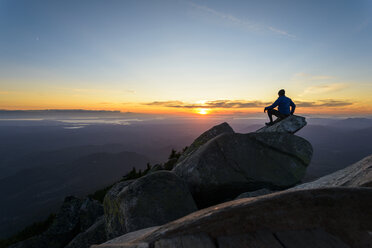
(269, 123)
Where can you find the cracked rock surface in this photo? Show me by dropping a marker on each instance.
(233, 163)
(326, 217)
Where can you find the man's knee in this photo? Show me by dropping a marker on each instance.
(273, 112)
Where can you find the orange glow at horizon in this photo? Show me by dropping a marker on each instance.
(30, 102)
(203, 111)
(197, 111)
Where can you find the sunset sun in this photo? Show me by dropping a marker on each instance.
(203, 111)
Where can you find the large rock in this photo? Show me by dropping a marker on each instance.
(356, 175)
(327, 217)
(75, 215)
(153, 200)
(89, 211)
(233, 163)
(290, 124)
(114, 220)
(95, 234)
(205, 137)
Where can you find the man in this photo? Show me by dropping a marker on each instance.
(283, 111)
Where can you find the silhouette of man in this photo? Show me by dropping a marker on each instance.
(283, 111)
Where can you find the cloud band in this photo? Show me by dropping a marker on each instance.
(237, 104)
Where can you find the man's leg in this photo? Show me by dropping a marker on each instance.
(275, 112)
(279, 116)
(270, 114)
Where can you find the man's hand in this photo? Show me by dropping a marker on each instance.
(265, 110)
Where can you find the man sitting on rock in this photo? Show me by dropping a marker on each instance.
(283, 111)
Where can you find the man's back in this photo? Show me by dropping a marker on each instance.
(283, 104)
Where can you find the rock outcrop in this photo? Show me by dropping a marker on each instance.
(89, 211)
(291, 124)
(233, 163)
(153, 200)
(326, 217)
(204, 138)
(95, 234)
(356, 175)
(114, 222)
(74, 216)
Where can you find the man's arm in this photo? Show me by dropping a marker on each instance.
(276, 103)
(293, 107)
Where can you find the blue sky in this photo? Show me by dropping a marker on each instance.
(120, 54)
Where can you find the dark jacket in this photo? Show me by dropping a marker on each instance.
(284, 103)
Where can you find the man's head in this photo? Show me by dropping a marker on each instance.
(281, 92)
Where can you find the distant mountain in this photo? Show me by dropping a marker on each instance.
(62, 156)
(2, 111)
(34, 192)
(53, 112)
(354, 123)
(335, 148)
(154, 140)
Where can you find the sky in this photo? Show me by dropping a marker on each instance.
(180, 56)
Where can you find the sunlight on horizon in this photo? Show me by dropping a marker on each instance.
(203, 111)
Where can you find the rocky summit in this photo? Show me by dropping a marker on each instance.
(205, 137)
(291, 124)
(233, 163)
(315, 214)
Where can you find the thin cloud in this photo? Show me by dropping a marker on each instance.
(239, 22)
(308, 76)
(164, 103)
(334, 103)
(325, 88)
(324, 103)
(281, 32)
(210, 104)
(235, 104)
(242, 104)
(227, 17)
